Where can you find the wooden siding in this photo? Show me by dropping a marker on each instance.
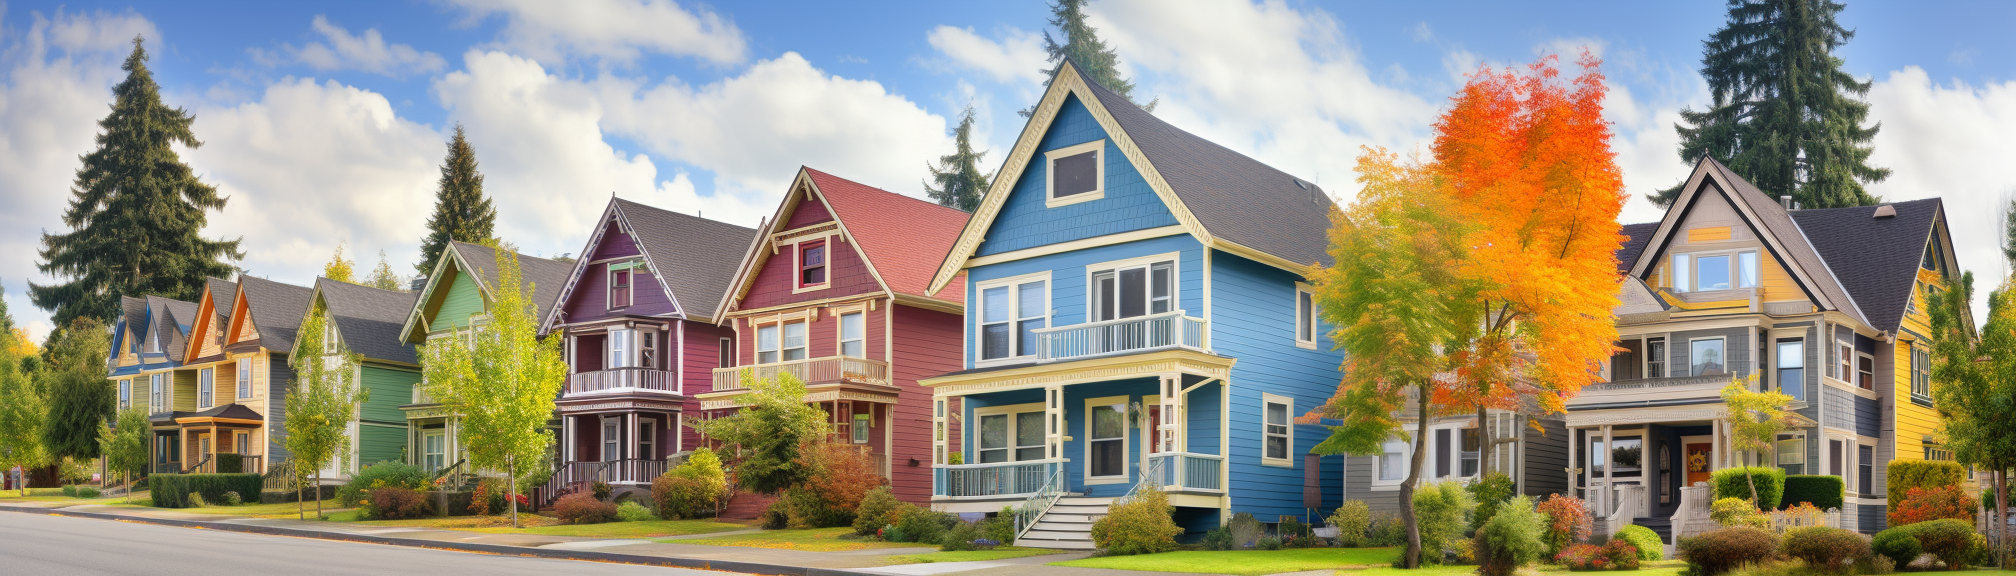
(590, 299)
(807, 213)
(389, 388)
(1713, 224)
(1128, 203)
(823, 333)
(185, 391)
(1913, 421)
(926, 345)
(1253, 319)
(379, 443)
(699, 357)
(1544, 460)
(279, 376)
(464, 298)
(1068, 291)
(847, 275)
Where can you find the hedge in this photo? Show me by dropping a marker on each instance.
(1824, 492)
(1907, 474)
(228, 463)
(1729, 483)
(172, 490)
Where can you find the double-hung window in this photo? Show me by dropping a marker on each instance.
(647, 349)
(154, 403)
(1844, 361)
(726, 354)
(1865, 371)
(1305, 316)
(1921, 375)
(812, 264)
(621, 276)
(125, 394)
(1655, 357)
(619, 348)
(1392, 462)
(863, 424)
(1106, 440)
(1011, 310)
(205, 386)
(1011, 433)
(1707, 357)
(853, 335)
(434, 451)
(244, 377)
(1792, 453)
(1276, 437)
(612, 439)
(782, 342)
(1792, 368)
(1132, 290)
(647, 439)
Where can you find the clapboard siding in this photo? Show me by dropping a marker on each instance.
(1068, 271)
(1128, 202)
(699, 357)
(589, 300)
(464, 299)
(279, 379)
(1868, 417)
(1253, 319)
(379, 443)
(926, 344)
(1544, 462)
(847, 272)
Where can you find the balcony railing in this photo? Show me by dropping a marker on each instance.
(995, 479)
(623, 379)
(1142, 333)
(1186, 471)
(830, 369)
(1714, 374)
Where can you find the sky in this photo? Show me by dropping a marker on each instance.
(325, 123)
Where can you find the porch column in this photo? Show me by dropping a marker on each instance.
(1574, 461)
(1609, 473)
(1715, 451)
(1172, 415)
(567, 439)
(678, 431)
(1053, 413)
(939, 440)
(630, 448)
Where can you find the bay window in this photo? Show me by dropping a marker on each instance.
(619, 348)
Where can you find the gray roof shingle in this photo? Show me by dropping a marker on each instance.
(1636, 237)
(545, 276)
(1876, 259)
(224, 293)
(369, 319)
(133, 314)
(696, 257)
(1778, 222)
(171, 324)
(276, 310)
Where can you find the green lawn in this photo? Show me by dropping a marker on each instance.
(1002, 553)
(813, 540)
(1246, 562)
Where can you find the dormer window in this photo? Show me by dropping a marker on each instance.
(1076, 173)
(620, 276)
(812, 264)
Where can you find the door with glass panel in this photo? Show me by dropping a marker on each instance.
(1131, 292)
(434, 449)
(1107, 443)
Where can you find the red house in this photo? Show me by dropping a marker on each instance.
(639, 320)
(834, 292)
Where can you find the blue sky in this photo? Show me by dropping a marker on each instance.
(324, 121)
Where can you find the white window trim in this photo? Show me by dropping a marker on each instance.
(840, 333)
(1843, 366)
(156, 395)
(244, 376)
(798, 263)
(1778, 337)
(863, 425)
(1175, 260)
(1666, 360)
(975, 317)
(206, 378)
(1726, 368)
(727, 348)
(1126, 439)
(1289, 460)
(1406, 459)
(426, 435)
(1313, 320)
(620, 345)
(1735, 270)
(1857, 382)
(604, 441)
(1050, 199)
(126, 394)
(1796, 436)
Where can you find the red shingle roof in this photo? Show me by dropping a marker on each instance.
(905, 238)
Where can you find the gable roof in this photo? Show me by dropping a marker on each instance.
(369, 319)
(1877, 259)
(133, 324)
(694, 258)
(171, 324)
(544, 275)
(222, 296)
(903, 238)
(1227, 200)
(1635, 238)
(275, 310)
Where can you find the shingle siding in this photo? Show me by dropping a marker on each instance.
(1127, 204)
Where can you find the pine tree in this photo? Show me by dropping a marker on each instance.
(461, 211)
(960, 182)
(1785, 116)
(382, 277)
(136, 211)
(1085, 50)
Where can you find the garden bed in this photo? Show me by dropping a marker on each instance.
(1253, 562)
(812, 540)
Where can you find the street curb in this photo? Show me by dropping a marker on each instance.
(582, 555)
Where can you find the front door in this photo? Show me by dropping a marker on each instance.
(1699, 454)
(434, 449)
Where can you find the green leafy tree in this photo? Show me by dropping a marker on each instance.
(80, 398)
(502, 381)
(1085, 50)
(1755, 420)
(1976, 390)
(136, 211)
(321, 403)
(957, 175)
(773, 433)
(124, 443)
(1784, 114)
(382, 276)
(23, 409)
(339, 268)
(461, 211)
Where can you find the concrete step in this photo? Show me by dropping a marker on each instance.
(1054, 526)
(1056, 535)
(1078, 510)
(1026, 542)
(1086, 519)
(1082, 501)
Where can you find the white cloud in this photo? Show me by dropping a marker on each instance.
(1016, 56)
(1951, 141)
(1421, 32)
(620, 31)
(57, 84)
(369, 53)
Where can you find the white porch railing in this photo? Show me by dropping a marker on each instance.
(1039, 503)
(1693, 516)
(1615, 505)
(1152, 332)
(1186, 471)
(623, 378)
(824, 370)
(993, 479)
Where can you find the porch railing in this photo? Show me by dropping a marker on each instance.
(994, 479)
(1151, 476)
(201, 467)
(574, 476)
(1693, 516)
(1038, 503)
(167, 467)
(623, 378)
(1187, 471)
(824, 370)
(279, 478)
(1142, 333)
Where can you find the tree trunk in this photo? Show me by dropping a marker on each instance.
(511, 464)
(318, 496)
(1484, 442)
(2001, 516)
(1747, 477)
(1412, 558)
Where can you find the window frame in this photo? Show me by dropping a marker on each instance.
(1778, 452)
(1307, 321)
(206, 388)
(126, 394)
(609, 424)
(617, 349)
(1098, 148)
(1406, 455)
(647, 438)
(628, 286)
(1663, 359)
(1147, 264)
(1693, 361)
(725, 354)
(426, 452)
(977, 318)
(798, 268)
(864, 424)
(1778, 366)
(156, 396)
(1843, 366)
(1865, 379)
(1287, 433)
(240, 439)
(841, 340)
(1687, 269)
(1126, 440)
(1921, 375)
(245, 389)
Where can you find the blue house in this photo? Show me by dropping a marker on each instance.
(1136, 315)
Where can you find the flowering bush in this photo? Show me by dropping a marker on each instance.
(1737, 512)
(1616, 555)
(1621, 554)
(381, 475)
(1826, 549)
(1143, 525)
(583, 508)
(1726, 549)
(1934, 503)
(1568, 521)
(396, 503)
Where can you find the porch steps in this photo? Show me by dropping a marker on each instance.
(1067, 525)
(1661, 526)
(746, 506)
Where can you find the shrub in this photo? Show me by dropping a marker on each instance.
(805, 508)
(1218, 539)
(1730, 483)
(92, 492)
(1621, 554)
(228, 463)
(1568, 521)
(1726, 549)
(396, 503)
(1831, 550)
(776, 517)
(1353, 521)
(1295, 534)
(1903, 475)
(842, 475)
(70, 490)
(1489, 491)
(679, 497)
(1387, 530)
(583, 508)
(386, 474)
(1441, 511)
(877, 509)
(1615, 555)
(1245, 530)
(1268, 543)
(1515, 536)
(1142, 525)
(1737, 512)
(1952, 541)
(488, 498)
(917, 524)
(1899, 544)
(231, 498)
(1824, 492)
(631, 511)
(1934, 503)
(1000, 528)
(601, 490)
(1649, 546)
(173, 490)
(962, 537)
(195, 500)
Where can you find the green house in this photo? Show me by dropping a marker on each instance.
(366, 321)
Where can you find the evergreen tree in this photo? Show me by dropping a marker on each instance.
(79, 396)
(382, 277)
(960, 183)
(6, 319)
(1085, 50)
(1785, 116)
(136, 211)
(461, 211)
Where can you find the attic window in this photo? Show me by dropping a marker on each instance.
(1076, 173)
(620, 276)
(812, 264)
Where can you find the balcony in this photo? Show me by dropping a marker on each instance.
(1139, 334)
(993, 480)
(827, 370)
(1706, 385)
(622, 379)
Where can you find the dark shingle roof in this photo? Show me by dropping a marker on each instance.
(171, 324)
(695, 257)
(1235, 197)
(1778, 222)
(235, 411)
(133, 312)
(1877, 259)
(369, 319)
(276, 310)
(224, 294)
(1636, 237)
(545, 276)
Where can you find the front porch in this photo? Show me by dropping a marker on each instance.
(1653, 466)
(228, 429)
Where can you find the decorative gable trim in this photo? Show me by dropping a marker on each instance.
(242, 328)
(199, 327)
(1067, 82)
(611, 213)
(417, 319)
(770, 236)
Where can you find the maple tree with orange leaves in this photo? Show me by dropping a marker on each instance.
(1483, 278)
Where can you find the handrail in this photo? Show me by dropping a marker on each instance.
(998, 464)
(198, 466)
(1151, 474)
(1039, 503)
(625, 378)
(446, 470)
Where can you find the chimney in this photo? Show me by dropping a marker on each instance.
(1785, 201)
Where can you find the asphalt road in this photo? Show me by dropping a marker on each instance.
(55, 545)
